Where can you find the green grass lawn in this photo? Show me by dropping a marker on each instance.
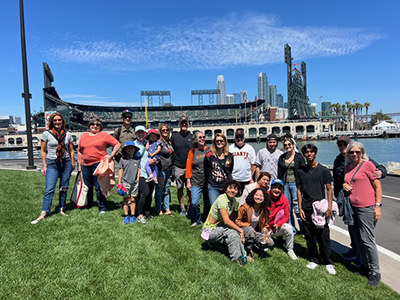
(92, 256)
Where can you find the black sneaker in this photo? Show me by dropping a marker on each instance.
(149, 217)
(373, 280)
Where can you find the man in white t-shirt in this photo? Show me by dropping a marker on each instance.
(244, 160)
(267, 158)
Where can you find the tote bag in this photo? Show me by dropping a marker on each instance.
(79, 193)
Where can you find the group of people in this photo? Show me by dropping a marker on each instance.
(249, 199)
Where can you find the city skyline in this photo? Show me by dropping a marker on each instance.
(108, 56)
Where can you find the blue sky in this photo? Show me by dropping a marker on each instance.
(105, 52)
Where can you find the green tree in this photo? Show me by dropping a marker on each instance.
(379, 117)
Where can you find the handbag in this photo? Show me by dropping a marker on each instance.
(344, 196)
(79, 192)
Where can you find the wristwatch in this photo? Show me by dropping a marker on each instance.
(378, 204)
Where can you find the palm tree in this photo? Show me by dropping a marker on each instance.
(348, 114)
(366, 105)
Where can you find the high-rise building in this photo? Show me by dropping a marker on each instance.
(325, 108)
(243, 96)
(229, 99)
(263, 88)
(279, 101)
(221, 88)
(273, 91)
(314, 108)
(237, 98)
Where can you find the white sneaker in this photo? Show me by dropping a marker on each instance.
(331, 269)
(292, 255)
(312, 265)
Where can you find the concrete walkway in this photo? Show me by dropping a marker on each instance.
(340, 240)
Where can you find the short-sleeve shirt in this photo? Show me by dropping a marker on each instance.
(166, 155)
(363, 193)
(224, 203)
(181, 144)
(93, 148)
(52, 144)
(153, 148)
(244, 158)
(144, 155)
(268, 162)
(127, 134)
(313, 183)
(130, 167)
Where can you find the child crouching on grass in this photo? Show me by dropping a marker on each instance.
(128, 177)
(153, 146)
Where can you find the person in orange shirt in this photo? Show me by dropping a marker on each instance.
(91, 149)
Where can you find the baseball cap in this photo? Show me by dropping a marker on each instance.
(272, 136)
(182, 119)
(277, 181)
(343, 138)
(140, 128)
(126, 112)
(239, 134)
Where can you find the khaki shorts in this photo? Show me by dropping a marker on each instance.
(180, 177)
(132, 191)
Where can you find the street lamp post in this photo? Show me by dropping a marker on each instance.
(26, 95)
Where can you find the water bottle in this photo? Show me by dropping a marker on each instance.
(264, 236)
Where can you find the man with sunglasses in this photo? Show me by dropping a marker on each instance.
(125, 132)
(244, 158)
(181, 142)
(343, 143)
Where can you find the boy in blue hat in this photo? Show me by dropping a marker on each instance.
(128, 177)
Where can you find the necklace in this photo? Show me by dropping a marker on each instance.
(312, 169)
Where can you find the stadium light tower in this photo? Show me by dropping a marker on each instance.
(26, 95)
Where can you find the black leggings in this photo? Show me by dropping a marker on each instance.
(146, 191)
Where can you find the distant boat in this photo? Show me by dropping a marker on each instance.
(35, 152)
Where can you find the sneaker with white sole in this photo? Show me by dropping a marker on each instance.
(142, 220)
(292, 255)
(331, 269)
(312, 265)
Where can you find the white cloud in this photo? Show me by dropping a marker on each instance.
(246, 39)
(96, 100)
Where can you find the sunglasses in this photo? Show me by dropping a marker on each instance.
(127, 117)
(95, 124)
(287, 145)
(355, 152)
(219, 141)
(201, 137)
(183, 123)
(165, 130)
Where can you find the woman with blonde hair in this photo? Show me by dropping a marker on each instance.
(366, 201)
(218, 166)
(164, 170)
(57, 152)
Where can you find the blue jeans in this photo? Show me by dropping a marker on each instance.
(214, 192)
(163, 189)
(91, 180)
(54, 171)
(290, 193)
(194, 212)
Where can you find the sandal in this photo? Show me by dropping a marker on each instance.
(40, 218)
(169, 214)
(63, 213)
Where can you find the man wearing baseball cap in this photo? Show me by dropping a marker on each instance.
(267, 158)
(181, 142)
(244, 158)
(343, 143)
(125, 132)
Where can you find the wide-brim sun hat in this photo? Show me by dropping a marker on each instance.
(127, 144)
(152, 131)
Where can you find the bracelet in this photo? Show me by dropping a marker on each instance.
(378, 204)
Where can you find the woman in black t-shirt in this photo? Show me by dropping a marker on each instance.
(218, 166)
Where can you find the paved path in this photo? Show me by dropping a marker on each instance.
(387, 231)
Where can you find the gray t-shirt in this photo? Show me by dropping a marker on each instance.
(52, 144)
(130, 167)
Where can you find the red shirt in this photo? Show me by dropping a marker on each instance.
(93, 148)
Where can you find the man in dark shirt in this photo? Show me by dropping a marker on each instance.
(181, 142)
(343, 143)
(313, 180)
